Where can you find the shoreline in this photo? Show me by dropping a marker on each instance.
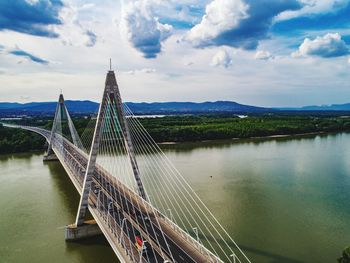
(276, 136)
(260, 138)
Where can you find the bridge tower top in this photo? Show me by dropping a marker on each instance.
(61, 99)
(62, 115)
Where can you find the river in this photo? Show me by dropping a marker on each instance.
(282, 200)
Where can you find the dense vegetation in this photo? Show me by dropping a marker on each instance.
(192, 128)
(346, 256)
(15, 140)
(195, 128)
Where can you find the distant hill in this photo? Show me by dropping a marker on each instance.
(193, 107)
(42, 108)
(332, 107)
(88, 107)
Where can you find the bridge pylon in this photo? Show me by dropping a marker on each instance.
(61, 119)
(111, 98)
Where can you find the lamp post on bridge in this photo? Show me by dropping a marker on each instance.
(195, 229)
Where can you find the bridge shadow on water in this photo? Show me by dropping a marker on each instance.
(273, 257)
(63, 184)
(91, 250)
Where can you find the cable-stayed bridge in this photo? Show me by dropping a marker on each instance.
(138, 200)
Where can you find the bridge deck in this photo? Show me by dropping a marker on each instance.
(108, 201)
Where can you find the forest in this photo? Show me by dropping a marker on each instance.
(184, 128)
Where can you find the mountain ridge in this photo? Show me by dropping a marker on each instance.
(172, 107)
(86, 107)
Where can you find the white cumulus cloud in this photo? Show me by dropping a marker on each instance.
(263, 55)
(142, 29)
(222, 58)
(220, 16)
(327, 46)
(237, 23)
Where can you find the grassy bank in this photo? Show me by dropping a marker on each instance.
(192, 128)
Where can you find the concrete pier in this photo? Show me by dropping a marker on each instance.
(88, 229)
(50, 157)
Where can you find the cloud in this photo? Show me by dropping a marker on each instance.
(220, 16)
(316, 16)
(237, 23)
(222, 58)
(87, 6)
(312, 7)
(30, 17)
(143, 70)
(24, 97)
(327, 46)
(21, 53)
(72, 32)
(263, 55)
(142, 29)
(92, 38)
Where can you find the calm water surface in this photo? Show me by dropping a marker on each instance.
(282, 200)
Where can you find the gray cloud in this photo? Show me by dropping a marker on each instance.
(92, 38)
(30, 17)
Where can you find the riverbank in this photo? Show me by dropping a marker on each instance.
(175, 129)
(195, 128)
(278, 136)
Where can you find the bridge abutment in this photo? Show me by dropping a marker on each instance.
(86, 230)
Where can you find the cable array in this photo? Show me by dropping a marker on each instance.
(174, 197)
(167, 191)
(113, 157)
(137, 190)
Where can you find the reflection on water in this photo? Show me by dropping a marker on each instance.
(282, 199)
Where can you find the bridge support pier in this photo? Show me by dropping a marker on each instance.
(50, 157)
(86, 230)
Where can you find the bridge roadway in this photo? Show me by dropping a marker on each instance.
(110, 203)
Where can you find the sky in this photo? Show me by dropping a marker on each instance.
(258, 52)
